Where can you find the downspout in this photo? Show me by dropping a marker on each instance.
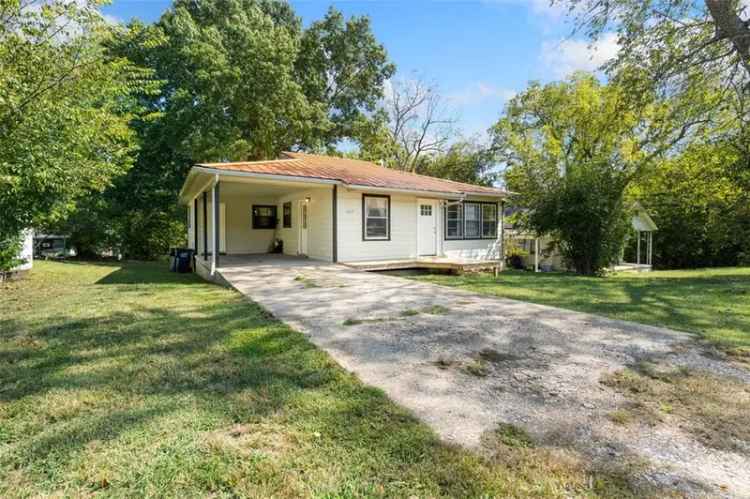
(216, 222)
(334, 235)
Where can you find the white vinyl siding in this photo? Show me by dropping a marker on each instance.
(402, 229)
(319, 223)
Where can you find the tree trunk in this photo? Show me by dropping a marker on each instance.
(729, 25)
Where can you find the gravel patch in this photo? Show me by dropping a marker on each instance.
(465, 363)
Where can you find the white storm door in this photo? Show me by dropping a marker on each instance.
(303, 215)
(426, 227)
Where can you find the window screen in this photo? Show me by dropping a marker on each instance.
(472, 220)
(264, 217)
(287, 215)
(454, 222)
(489, 220)
(376, 215)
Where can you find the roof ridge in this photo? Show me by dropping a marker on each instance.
(256, 162)
(373, 164)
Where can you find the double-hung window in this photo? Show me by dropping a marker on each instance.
(454, 221)
(376, 217)
(489, 220)
(264, 216)
(471, 220)
(287, 215)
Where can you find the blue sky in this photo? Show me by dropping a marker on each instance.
(478, 52)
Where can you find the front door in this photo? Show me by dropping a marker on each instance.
(303, 227)
(426, 227)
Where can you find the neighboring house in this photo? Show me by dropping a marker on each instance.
(338, 210)
(541, 252)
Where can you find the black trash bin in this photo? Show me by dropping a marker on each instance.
(173, 259)
(184, 259)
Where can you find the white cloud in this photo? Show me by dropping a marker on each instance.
(110, 19)
(544, 8)
(565, 56)
(388, 89)
(478, 92)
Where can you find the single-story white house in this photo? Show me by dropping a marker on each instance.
(337, 210)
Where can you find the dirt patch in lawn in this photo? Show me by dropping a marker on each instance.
(713, 409)
(512, 447)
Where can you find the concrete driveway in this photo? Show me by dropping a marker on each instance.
(540, 365)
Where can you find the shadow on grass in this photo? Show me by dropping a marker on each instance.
(714, 304)
(125, 393)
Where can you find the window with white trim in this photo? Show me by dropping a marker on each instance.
(489, 221)
(376, 217)
(454, 221)
(472, 220)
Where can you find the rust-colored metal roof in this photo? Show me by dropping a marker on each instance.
(352, 172)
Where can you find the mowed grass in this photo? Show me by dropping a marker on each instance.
(713, 303)
(129, 381)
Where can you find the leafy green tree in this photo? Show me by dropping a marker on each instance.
(241, 80)
(64, 110)
(571, 149)
(342, 65)
(466, 160)
(701, 204)
(682, 48)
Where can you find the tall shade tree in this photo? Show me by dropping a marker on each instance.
(342, 65)
(64, 110)
(677, 46)
(412, 126)
(241, 80)
(571, 149)
(465, 160)
(230, 89)
(700, 200)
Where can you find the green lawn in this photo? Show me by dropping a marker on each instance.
(714, 303)
(127, 380)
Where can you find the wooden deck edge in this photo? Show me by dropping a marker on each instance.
(417, 264)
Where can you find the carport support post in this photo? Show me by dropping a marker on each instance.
(205, 226)
(501, 238)
(215, 236)
(195, 225)
(335, 228)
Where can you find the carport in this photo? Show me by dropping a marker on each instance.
(256, 215)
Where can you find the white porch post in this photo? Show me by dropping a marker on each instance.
(536, 254)
(638, 248)
(650, 246)
(215, 232)
(501, 233)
